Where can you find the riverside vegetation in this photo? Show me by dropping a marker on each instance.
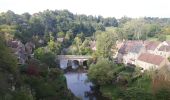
(40, 78)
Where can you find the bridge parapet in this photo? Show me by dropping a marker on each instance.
(72, 57)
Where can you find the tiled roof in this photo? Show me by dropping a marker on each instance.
(136, 48)
(164, 48)
(152, 45)
(151, 58)
(131, 46)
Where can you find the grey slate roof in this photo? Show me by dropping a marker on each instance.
(131, 46)
(136, 48)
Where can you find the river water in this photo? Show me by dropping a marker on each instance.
(78, 84)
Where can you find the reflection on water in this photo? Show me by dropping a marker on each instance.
(77, 83)
(65, 63)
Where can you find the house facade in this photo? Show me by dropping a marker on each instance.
(150, 61)
(152, 46)
(129, 52)
(164, 49)
(145, 54)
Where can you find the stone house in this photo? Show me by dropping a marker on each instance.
(129, 52)
(150, 61)
(164, 49)
(152, 46)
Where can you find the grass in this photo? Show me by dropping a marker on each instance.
(156, 39)
(111, 91)
(110, 29)
(167, 37)
(144, 83)
(153, 39)
(116, 91)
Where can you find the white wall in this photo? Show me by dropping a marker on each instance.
(145, 65)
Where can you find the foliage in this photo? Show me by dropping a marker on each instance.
(134, 93)
(102, 72)
(105, 42)
(47, 84)
(138, 29)
(7, 60)
(23, 94)
(162, 94)
(58, 22)
(168, 58)
(61, 34)
(162, 37)
(46, 57)
(150, 85)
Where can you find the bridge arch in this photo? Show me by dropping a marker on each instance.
(80, 60)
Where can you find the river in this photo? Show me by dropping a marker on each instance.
(82, 88)
(79, 84)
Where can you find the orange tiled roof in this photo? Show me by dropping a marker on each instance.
(151, 58)
(151, 45)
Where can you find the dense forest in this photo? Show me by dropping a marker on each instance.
(25, 26)
(25, 82)
(64, 24)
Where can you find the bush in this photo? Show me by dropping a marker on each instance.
(162, 37)
(101, 72)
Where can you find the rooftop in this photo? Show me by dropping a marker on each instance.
(164, 48)
(151, 45)
(131, 46)
(151, 58)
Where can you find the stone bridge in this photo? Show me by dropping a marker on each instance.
(66, 60)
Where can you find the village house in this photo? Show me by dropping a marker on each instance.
(152, 46)
(129, 51)
(150, 61)
(164, 49)
(145, 54)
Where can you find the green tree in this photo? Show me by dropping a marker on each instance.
(78, 43)
(105, 42)
(46, 57)
(61, 34)
(54, 46)
(8, 69)
(23, 94)
(8, 61)
(162, 37)
(101, 72)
